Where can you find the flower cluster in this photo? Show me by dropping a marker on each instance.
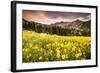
(38, 48)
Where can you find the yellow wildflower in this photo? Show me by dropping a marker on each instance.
(64, 50)
(35, 47)
(74, 48)
(28, 56)
(41, 49)
(58, 55)
(26, 49)
(51, 52)
(62, 45)
(63, 56)
(79, 50)
(30, 44)
(66, 56)
(78, 55)
(23, 49)
(40, 58)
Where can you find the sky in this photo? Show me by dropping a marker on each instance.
(49, 17)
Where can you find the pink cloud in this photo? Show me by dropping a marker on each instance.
(43, 17)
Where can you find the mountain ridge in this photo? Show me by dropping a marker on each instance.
(73, 27)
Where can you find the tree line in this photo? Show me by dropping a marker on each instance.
(58, 30)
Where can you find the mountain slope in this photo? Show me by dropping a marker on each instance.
(76, 28)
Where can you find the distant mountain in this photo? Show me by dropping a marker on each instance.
(75, 24)
(25, 21)
(76, 27)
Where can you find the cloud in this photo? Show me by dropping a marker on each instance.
(48, 17)
(38, 16)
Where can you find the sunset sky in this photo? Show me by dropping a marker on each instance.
(48, 17)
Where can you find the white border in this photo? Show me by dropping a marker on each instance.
(21, 65)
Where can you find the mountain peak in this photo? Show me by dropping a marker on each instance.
(77, 20)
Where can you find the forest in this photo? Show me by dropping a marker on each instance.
(75, 28)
